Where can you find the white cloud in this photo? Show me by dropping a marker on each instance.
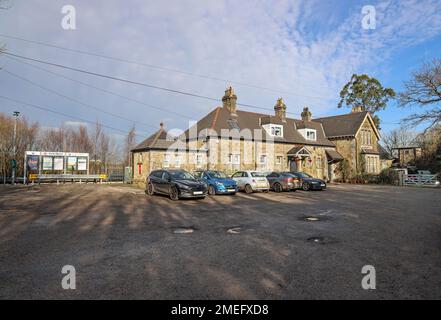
(306, 48)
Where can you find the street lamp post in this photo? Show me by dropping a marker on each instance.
(16, 114)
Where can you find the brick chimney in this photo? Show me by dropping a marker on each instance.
(280, 109)
(229, 101)
(306, 114)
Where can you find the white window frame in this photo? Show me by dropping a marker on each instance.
(309, 131)
(279, 159)
(199, 161)
(178, 161)
(319, 162)
(264, 155)
(166, 162)
(273, 128)
(234, 158)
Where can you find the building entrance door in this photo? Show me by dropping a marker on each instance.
(292, 165)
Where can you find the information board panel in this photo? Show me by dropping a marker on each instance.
(71, 163)
(82, 164)
(58, 163)
(47, 163)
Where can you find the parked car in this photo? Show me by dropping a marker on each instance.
(308, 182)
(282, 181)
(250, 181)
(176, 184)
(218, 182)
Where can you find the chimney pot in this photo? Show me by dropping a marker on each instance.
(306, 114)
(229, 101)
(280, 109)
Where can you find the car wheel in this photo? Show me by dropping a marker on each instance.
(174, 194)
(211, 190)
(277, 187)
(305, 186)
(248, 189)
(150, 190)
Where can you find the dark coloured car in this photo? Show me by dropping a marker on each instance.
(218, 182)
(281, 181)
(308, 182)
(176, 184)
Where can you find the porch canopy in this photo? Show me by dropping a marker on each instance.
(333, 156)
(299, 152)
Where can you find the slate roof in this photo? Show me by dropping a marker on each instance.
(333, 155)
(342, 125)
(158, 140)
(369, 151)
(383, 153)
(219, 118)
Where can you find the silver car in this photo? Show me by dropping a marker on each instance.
(250, 181)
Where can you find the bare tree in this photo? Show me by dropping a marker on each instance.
(424, 90)
(401, 137)
(129, 145)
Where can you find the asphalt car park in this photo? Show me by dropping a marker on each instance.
(292, 245)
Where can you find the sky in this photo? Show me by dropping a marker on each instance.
(303, 51)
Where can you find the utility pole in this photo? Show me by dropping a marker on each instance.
(16, 114)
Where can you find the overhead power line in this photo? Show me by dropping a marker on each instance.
(75, 100)
(64, 114)
(99, 89)
(161, 68)
(133, 82)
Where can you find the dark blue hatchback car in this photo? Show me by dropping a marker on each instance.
(217, 181)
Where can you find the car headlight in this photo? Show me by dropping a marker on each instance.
(183, 186)
(219, 184)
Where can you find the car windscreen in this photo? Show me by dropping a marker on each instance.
(181, 175)
(197, 174)
(303, 175)
(258, 174)
(217, 175)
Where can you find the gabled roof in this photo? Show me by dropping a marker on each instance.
(384, 155)
(220, 119)
(333, 155)
(158, 140)
(299, 150)
(345, 124)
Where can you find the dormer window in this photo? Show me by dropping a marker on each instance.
(274, 130)
(311, 134)
(308, 134)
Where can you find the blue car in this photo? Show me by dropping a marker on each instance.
(217, 182)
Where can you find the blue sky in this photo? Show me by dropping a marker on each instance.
(303, 51)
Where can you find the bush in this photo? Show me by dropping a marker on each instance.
(388, 176)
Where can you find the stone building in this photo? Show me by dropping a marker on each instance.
(407, 155)
(356, 138)
(229, 139)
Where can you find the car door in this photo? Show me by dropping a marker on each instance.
(238, 177)
(206, 178)
(164, 182)
(272, 177)
(155, 179)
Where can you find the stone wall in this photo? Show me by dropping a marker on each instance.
(218, 154)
